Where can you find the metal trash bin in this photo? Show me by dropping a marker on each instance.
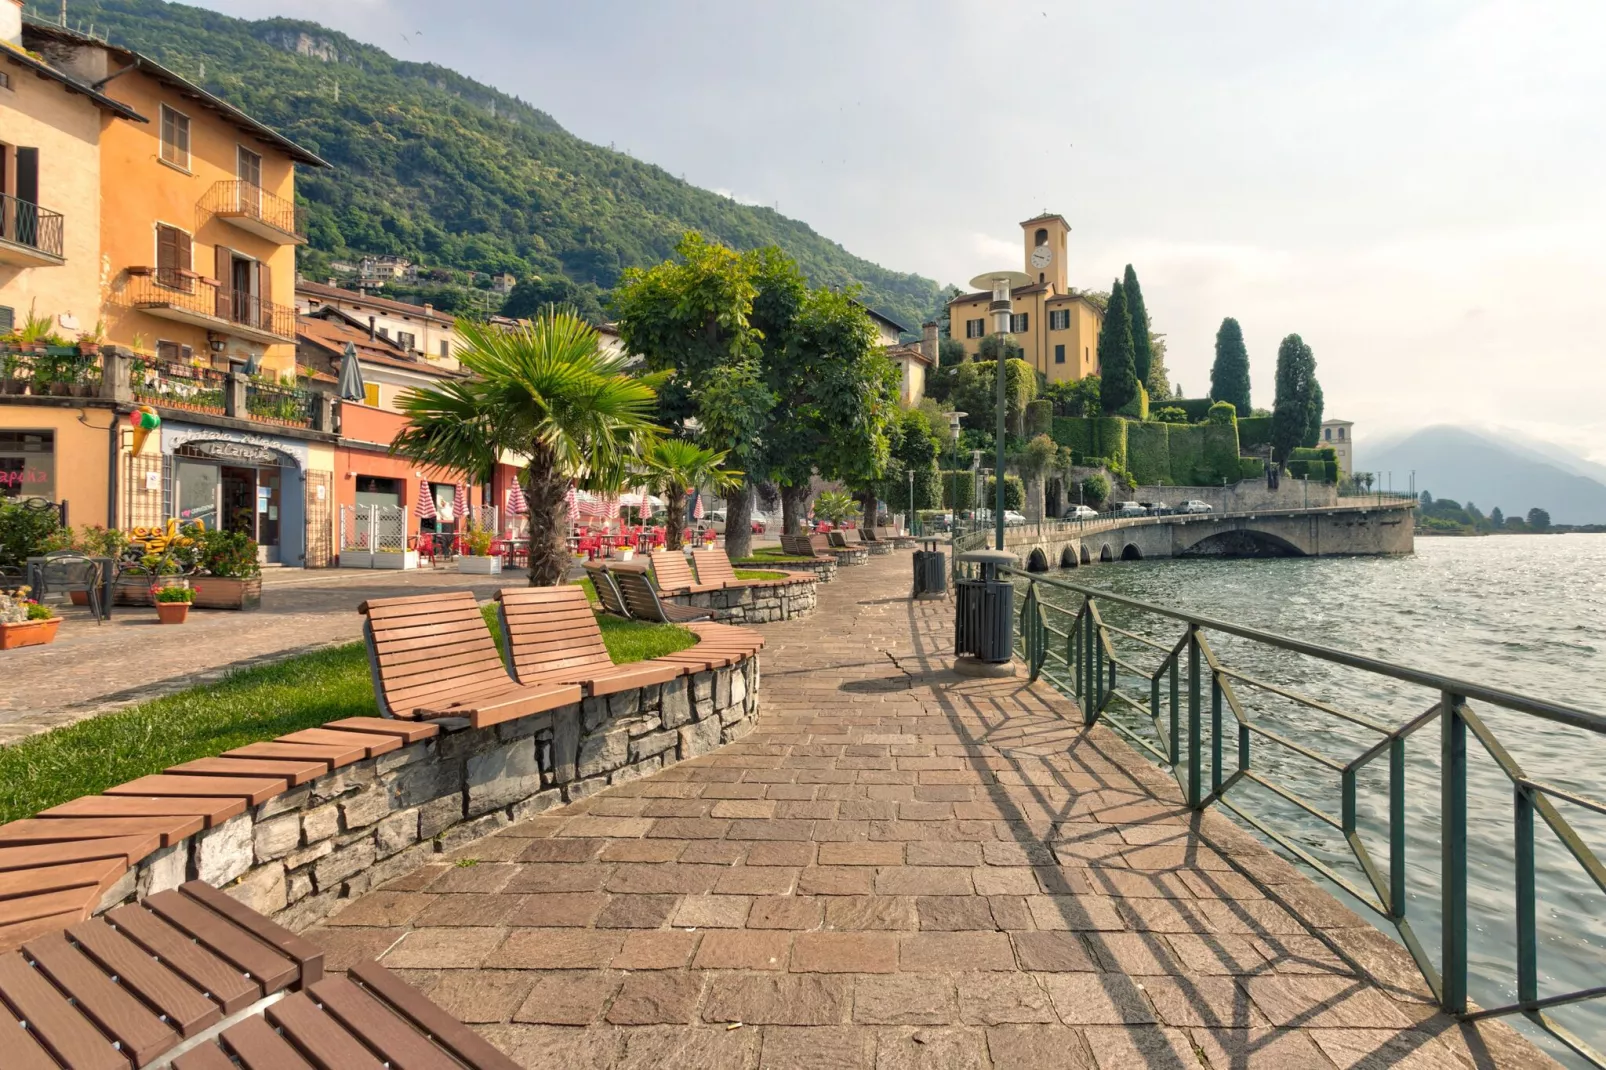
(984, 609)
(931, 571)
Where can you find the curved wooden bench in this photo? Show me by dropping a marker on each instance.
(714, 567)
(608, 593)
(642, 601)
(552, 637)
(674, 576)
(432, 656)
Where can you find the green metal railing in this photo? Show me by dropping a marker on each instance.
(1094, 660)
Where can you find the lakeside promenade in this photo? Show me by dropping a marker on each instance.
(902, 868)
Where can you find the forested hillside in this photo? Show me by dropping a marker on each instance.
(448, 172)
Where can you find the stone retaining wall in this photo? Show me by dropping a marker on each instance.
(762, 603)
(297, 856)
(853, 555)
(823, 568)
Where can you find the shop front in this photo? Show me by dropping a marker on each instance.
(234, 481)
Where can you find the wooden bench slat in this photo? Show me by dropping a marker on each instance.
(466, 641)
(409, 733)
(161, 988)
(128, 848)
(443, 617)
(380, 609)
(438, 630)
(294, 772)
(100, 874)
(245, 952)
(258, 1047)
(319, 1036)
(204, 1057)
(397, 1041)
(372, 745)
(56, 829)
(429, 693)
(525, 702)
(220, 980)
(332, 755)
(66, 1033)
(109, 1005)
(448, 1032)
(77, 900)
(212, 811)
(20, 1047)
(15, 935)
(306, 954)
(395, 672)
(256, 790)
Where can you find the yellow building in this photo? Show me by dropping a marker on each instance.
(1056, 327)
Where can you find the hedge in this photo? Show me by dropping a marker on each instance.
(958, 489)
(1014, 493)
(1196, 408)
(1148, 455)
(1155, 453)
(1138, 407)
(1254, 431)
(1251, 468)
(1039, 418)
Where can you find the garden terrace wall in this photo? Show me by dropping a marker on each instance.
(299, 855)
(756, 601)
(823, 568)
(853, 555)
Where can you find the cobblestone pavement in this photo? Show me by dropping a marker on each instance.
(899, 868)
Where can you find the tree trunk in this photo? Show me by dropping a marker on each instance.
(675, 526)
(867, 507)
(794, 501)
(545, 489)
(739, 521)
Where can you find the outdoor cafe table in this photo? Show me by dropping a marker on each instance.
(108, 577)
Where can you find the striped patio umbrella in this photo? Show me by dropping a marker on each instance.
(644, 510)
(515, 499)
(426, 501)
(460, 503)
(697, 506)
(571, 502)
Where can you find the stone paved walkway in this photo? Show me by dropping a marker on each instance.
(900, 868)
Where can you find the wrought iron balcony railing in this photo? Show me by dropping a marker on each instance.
(32, 234)
(49, 371)
(191, 298)
(280, 404)
(1246, 743)
(176, 385)
(252, 208)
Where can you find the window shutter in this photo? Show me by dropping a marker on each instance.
(186, 260)
(166, 252)
(225, 283)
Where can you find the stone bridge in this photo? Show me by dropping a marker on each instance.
(1327, 531)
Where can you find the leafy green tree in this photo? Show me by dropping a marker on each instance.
(915, 450)
(950, 351)
(532, 295)
(1095, 491)
(1497, 519)
(976, 393)
(1014, 493)
(1229, 375)
(546, 391)
(1138, 313)
(1313, 431)
(1119, 378)
(673, 466)
(1290, 414)
(1158, 381)
(1538, 519)
(1425, 498)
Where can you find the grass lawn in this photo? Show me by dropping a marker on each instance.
(260, 703)
(758, 574)
(773, 555)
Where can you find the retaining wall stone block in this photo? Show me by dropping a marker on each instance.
(277, 836)
(502, 776)
(396, 832)
(699, 738)
(603, 752)
(225, 852)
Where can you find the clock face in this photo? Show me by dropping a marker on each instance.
(1041, 256)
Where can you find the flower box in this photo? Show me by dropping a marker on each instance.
(172, 612)
(134, 589)
(28, 633)
(479, 566)
(219, 592)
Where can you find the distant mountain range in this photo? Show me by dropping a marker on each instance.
(1514, 472)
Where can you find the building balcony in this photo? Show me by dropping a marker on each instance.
(30, 236)
(190, 298)
(254, 209)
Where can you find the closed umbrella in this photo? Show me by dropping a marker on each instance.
(351, 384)
(697, 506)
(571, 502)
(426, 501)
(645, 509)
(515, 500)
(460, 503)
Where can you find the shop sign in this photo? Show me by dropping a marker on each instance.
(242, 452)
(13, 481)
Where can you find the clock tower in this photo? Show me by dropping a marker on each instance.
(1045, 238)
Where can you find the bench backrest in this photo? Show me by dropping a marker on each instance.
(425, 648)
(796, 546)
(838, 539)
(820, 541)
(672, 570)
(714, 566)
(550, 628)
(607, 590)
(640, 596)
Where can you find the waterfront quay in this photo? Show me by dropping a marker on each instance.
(901, 867)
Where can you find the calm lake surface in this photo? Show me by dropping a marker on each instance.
(1524, 613)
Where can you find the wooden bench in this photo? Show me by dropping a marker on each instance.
(822, 544)
(714, 569)
(193, 979)
(798, 546)
(608, 595)
(553, 637)
(674, 576)
(432, 656)
(642, 600)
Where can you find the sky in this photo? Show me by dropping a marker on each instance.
(1417, 189)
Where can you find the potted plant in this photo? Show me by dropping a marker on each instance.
(16, 368)
(144, 574)
(172, 603)
(24, 622)
(478, 561)
(232, 574)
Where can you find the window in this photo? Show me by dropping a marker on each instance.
(384, 332)
(370, 395)
(407, 340)
(1020, 322)
(377, 490)
(446, 349)
(173, 353)
(1059, 354)
(174, 263)
(1041, 237)
(1341, 434)
(8, 319)
(1327, 434)
(5, 80)
(975, 328)
(175, 138)
(1059, 319)
(28, 464)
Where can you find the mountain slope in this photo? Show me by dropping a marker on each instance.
(1465, 465)
(452, 173)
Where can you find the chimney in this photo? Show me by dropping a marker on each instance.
(333, 281)
(928, 341)
(11, 22)
(370, 328)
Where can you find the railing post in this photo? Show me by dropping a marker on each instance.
(1453, 851)
(1527, 920)
(115, 375)
(1195, 745)
(324, 418)
(234, 396)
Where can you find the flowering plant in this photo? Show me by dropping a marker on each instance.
(173, 594)
(17, 608)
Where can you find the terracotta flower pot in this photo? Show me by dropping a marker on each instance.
(172, 612)
(28, 633)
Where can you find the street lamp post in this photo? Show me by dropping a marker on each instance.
(1001, 283)
(953, 499)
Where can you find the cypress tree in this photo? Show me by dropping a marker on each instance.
(1497, 518)
(1118, 380)
(1290, 414)
(1142, 352)
(1229, 375)
(1313, 433)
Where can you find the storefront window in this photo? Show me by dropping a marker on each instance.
(377, 490)
(268, 482)
(28, 464)
(196, 498)
(445, 515)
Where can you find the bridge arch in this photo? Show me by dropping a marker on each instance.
(1068, 557)
(1130, 552)
(1105, 554)
(1242, 542)
(1087, 558)
(1037, 561)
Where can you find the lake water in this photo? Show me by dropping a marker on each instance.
(1525, 613)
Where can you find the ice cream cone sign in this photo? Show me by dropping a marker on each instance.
(145, 421)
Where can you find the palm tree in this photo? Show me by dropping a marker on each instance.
(673, 465)
(836, 507)
(546, 392)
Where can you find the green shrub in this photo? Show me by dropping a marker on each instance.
(1222, 412)
(1039, 417)
(1148, 452)
(1095, 490)
(1014, 493)
(25, 532)
(1170, 414)
(1254, 431)
(958, 489)
(1138, 407)
(229, 555)
(1251, 468)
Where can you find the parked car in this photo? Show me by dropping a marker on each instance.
(716, 520)
(1124, 509)
(1081, 512)
(1158, 508)
(1194, 505)
(1011, 517)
